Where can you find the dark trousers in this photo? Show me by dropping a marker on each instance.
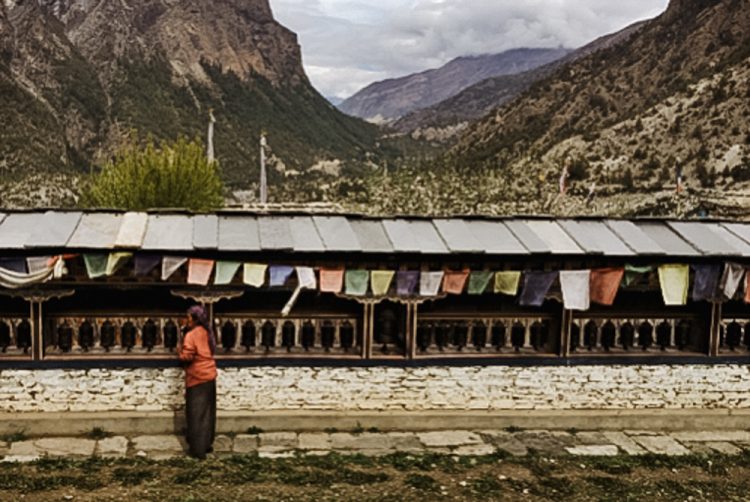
(200, 412)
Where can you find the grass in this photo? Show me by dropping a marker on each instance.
(393, 477)
(98, 433)
(14, 437)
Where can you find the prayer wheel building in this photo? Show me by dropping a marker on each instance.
(353, 316)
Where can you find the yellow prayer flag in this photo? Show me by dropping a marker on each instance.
(675, 282)
(254, 274)
(507, 283)
(381, 281)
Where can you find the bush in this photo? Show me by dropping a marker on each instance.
(172, 175)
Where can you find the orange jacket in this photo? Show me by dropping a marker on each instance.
(197, 351)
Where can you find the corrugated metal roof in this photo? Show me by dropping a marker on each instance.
(595, 237)
(242, 232)
(371, 236)
(667, 239)
(96, 231)
(54, 229)
(553, 235)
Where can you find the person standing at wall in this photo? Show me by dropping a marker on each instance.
(197, 352)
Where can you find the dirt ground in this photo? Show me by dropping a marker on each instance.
(399, 477)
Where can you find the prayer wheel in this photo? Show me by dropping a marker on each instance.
(683, 334)
(128, 335)
(288, 335)
(590, 335)
(746, 340)
(23, 336)
(108, 335)
(460, 335)
(499, 336)
(346, 334)
(664, 335)
(609, 335)
(268, 335)
(387, 327)
(328, 335)
(627, 336)
(65, 337)
(150, 335)
(479, 336)
(171, 335)
(228, 336)
(645, 335)
(539, 335)
(308, 336)
(4, 337)
(424, 334)
(575, 337)
(248, 335)
(518, 336)
(441, 335)
(86, 336)
(734, 335)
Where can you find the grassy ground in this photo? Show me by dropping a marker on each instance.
(391, 478)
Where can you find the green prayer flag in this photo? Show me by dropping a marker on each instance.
(225, 272)
(507, 283)
(356, 282)
(632, 273)
(96, 265)
(675, 282)
(479, 281)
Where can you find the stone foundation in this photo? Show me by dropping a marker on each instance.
(495, 388)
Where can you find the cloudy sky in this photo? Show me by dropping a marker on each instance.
(348, 44)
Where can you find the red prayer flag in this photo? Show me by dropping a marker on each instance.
(331, 280)
(455, 282)
(605, 282)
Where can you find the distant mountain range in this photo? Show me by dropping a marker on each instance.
(391, 99)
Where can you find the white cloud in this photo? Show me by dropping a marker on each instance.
(349, 44)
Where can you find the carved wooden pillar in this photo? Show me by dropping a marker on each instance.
(715, 329)
(565, 328)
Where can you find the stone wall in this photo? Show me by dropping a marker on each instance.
(385, 388)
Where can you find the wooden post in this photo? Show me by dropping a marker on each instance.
(714, 329)
(37, 330)
(565, 328)
(411, 345)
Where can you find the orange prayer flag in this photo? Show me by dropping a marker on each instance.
(455, 282)
(331, 280)
(605, 282)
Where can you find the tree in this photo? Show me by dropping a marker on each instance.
(170, 175)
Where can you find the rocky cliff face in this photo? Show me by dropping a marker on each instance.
(390, 99)
(79, 74)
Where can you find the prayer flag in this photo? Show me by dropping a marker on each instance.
(605, 283)
(633, 273)
(17, 265)
(357, 282)
(170, 265)
(507, 283)
(455, 282)
(306, 278)
(115, 261)
(731, 279)
(536, 285)
(279, 274)
(407, 283)
(706, 282)
(199, 271)
(430, 282)
(331, 280)
(479, 282)
(675, 282)
(144, 264)
(254, 274)
(96, 265)
(225, 272)
(576, 289)
(747, 289)
(381, 281)
(39, 264)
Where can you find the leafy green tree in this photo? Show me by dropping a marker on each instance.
(170, 175)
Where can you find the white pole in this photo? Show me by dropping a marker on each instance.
(211, 154)
(263, 175)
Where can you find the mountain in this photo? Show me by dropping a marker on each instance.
(446, 118)
(390, 99)
(76, 76)
(675, 93)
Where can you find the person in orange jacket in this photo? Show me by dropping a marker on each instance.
(197, 351)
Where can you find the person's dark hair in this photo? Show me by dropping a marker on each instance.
(199, 315)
